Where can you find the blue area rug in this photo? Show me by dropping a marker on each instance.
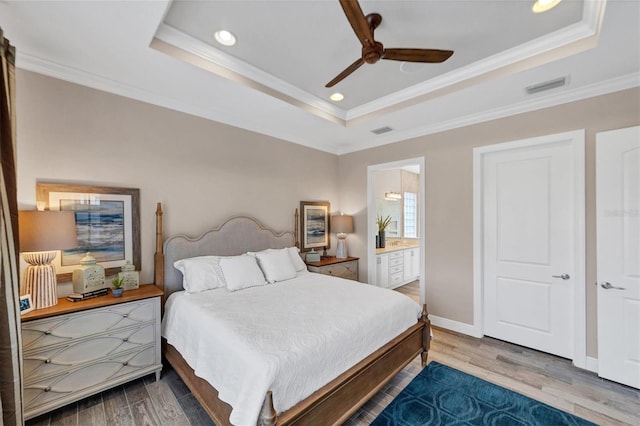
(441, 395)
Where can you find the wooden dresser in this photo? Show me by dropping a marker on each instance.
(76, 349)
(343, 268)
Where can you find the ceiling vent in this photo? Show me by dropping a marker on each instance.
(382, 130)
(547, 85)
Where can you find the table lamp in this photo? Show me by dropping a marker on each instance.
(42, 234)
(342, 225)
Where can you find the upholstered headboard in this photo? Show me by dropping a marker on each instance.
(237, 235)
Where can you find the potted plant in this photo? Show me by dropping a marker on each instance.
(117, 282)
(382, 225)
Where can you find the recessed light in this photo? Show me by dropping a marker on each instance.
(225, 38)
(336, 97)
(544, 5)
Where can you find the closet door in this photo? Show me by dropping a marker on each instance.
(618, 251)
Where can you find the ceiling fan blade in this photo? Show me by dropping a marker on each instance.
(351, 68)
(417, 55)
(358, 21)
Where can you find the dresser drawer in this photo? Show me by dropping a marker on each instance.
(64, 328)
(45, 362)
(40, 394)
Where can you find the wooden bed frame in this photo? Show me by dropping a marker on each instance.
(332, 404)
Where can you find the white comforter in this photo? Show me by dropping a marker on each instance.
(290, 337)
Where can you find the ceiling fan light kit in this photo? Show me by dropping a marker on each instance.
(373, 51)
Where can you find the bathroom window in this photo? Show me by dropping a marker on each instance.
(410, 215)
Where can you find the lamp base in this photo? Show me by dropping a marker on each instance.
(341, 251)
(40, 279)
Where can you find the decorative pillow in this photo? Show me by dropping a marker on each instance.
(200, 273)
(241, 272)
(276, 265)
(297, 261)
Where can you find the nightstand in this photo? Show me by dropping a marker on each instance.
(343, 268)
(76, 349)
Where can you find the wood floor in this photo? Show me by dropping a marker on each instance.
(541, 376)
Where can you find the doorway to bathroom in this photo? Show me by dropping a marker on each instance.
(395, 225)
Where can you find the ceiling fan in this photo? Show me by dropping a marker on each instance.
(373, 51)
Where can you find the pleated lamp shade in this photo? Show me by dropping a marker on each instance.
(41, 234)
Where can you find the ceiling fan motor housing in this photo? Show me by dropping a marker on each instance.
(372, 54)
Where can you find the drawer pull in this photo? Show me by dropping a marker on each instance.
(126, 339)
(47, 332)
(125, 315)
(47, 389)
(47, 361)
(125, 363)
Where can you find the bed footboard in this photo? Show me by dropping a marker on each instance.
(334, 403)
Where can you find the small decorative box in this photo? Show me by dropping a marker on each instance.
(130, 276)
(313, 256)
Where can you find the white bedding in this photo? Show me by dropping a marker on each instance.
(291, 337)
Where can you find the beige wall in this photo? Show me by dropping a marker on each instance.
(449, 188)
(202, 171)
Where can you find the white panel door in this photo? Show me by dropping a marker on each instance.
(618, 250)
(529, 269)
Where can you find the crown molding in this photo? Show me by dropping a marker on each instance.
(62, 72)
(628, 81)
(51, 69)
(239, 68)
(564, 42)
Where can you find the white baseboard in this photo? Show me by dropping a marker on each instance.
(470, 330)
(456, 326)
(592, 364)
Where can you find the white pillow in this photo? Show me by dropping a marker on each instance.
(241, 272)
(200, 273)
(276, 265)
(298, 263)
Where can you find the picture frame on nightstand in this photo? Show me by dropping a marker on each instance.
(26, 305)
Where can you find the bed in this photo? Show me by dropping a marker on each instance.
(326, 401)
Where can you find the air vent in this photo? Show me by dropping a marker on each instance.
(382, 130)
(547, 85)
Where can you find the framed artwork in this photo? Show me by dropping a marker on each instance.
(26, 305)
(107, 224)
(314, 225)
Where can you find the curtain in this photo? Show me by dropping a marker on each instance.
(10, 337)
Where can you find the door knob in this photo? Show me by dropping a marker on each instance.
(607, 286)
(563, 276)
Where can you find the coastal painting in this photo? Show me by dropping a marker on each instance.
(100, 229)
(315, 224)
(107, 224)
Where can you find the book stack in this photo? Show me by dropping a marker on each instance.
(76, 297)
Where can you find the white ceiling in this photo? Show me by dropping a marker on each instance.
(272, 81)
